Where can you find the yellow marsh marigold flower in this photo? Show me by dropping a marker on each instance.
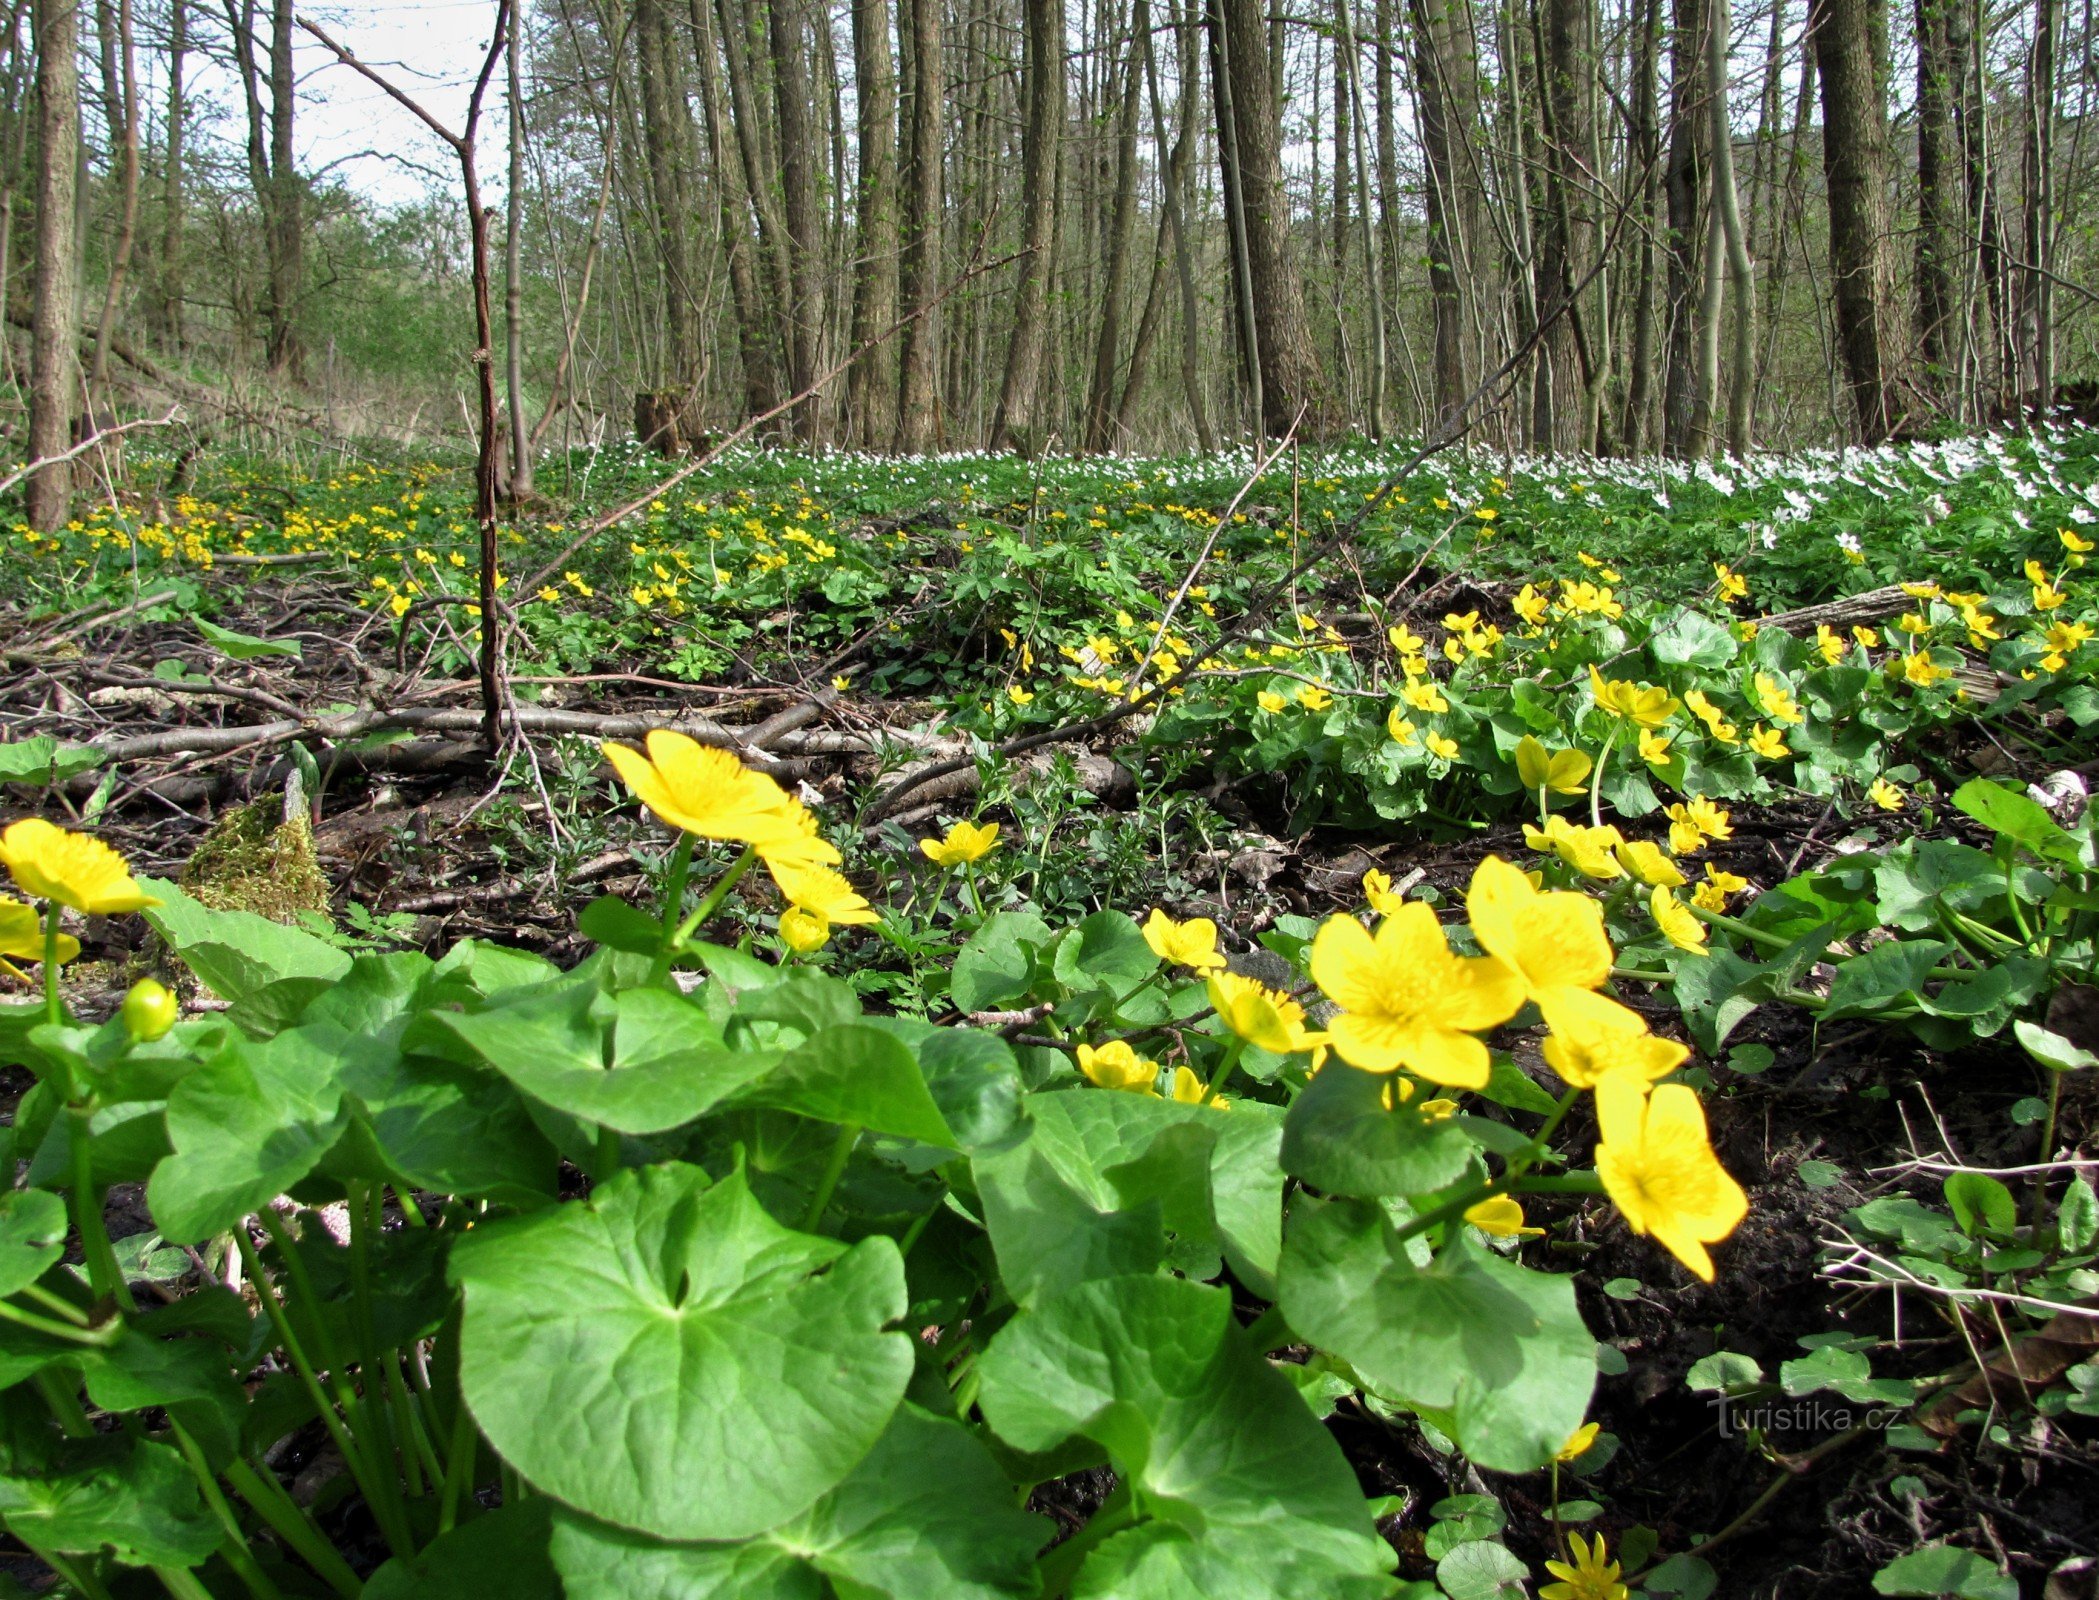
(1700, 819)
(965, 842)
(1712, 894)
(1678, 925)
(2072, 543)
(1187, 1088)
(1830, 643)
(1561, 771)
(1768, 743)
(2063, 640)
(1314, 698)
(1260, 1015)
(1441, 745)
(804, 931)
(1885, 795)
(1501, 1217)
(1186, 944)
(1378, 895)
(1733, 586)
(1645, 707)
(1400, 729)
(822, 891)
(22, 935)
(1777, 700)
(1271, 702)
(1647, 863)
(1115, 1065)
(1405, 640)
(1593, 1035)
(1407, 1001)
(1578, 1443)
(1660, 1171)
(1530, 605)
(1919, 668)
(1589, 1578)
(1551, 941)
(72, 869)
(1422, 695)
(710, 793)
(1587, 850)
(1654, 749)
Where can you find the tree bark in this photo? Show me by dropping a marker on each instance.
(55, 334)
(287, 220)
(514, 262)
(171, 220)
(732, 213)
(1938, 201)
(918, 400)
(667, 148)
(123, 70)
(1742, 397)
(1682, 402)
(1291, 379)
(871, 385)
(1101, 409)
(1015, 425)
(803, 212)
(1855, 170)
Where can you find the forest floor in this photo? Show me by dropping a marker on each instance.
(187, 653)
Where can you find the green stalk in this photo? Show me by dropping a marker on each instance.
(58, 1305)
(108, 1333)
(283, 1516)
(397, 1537)
(371, 1363)
(2040, 1179)
(608, 1155)
(674, 889)
(1060, 1566)
(1232, 1053)
(104, 1275)
(1596, 776)
(460, 1451)
(234, 1546)
(182, 1583)
(706, 908)
(65, 1405)
(834, 1169)
(969, 882)
(54, 1012)
(1269, 1331)
(81, 1577)
(1734, 925)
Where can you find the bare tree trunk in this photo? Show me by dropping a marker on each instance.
(1291, 380)
(125, 127)
(1042, 125)
(1855, 167)
(732, 211)
(667, 147)
(1938, 203)
(918, 400)
(1644, 158)
(1229, 171)
(804, 215)
(1682, 403)
(1174, 190)
(171, 234)
(286, 218)
(1107, 352)
(1373, 269)
(2041, 220)
(514, 263)
(55, 333)
(1440, 182)
(871, 385)
(1742, 398)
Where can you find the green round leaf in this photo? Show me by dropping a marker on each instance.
(32, 1236)
(700, 1373)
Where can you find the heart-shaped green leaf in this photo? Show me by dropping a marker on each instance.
(702, 1373)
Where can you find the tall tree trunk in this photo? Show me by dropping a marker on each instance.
(55, 332)
(2041, 219)
(1101, 409)
(286, 215)
(1245, 327)
(1042, 72)
(1644, 159)
(918, 399)
(1350, 61)
(171, 210)
(1742, 398)
(732, 213)
(514, 261)
(1291, 380)
(1440, 183)
(1855, 170)
(803, 212)
(1174, 190)
(1682, 182)
(871, 385)
(1563, 65)
(125, 127)
(667, 137)
(1938, 203)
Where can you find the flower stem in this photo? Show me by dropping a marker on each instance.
(1225, 1068)
(54, 1012)
(712, 901)
(834, 1169)
(674, 886)
(1596, 777)
(289, 1523)
(104, 1275)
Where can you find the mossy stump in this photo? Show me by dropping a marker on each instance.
(252, 861)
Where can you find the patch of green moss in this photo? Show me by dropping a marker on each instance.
(252, 861)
